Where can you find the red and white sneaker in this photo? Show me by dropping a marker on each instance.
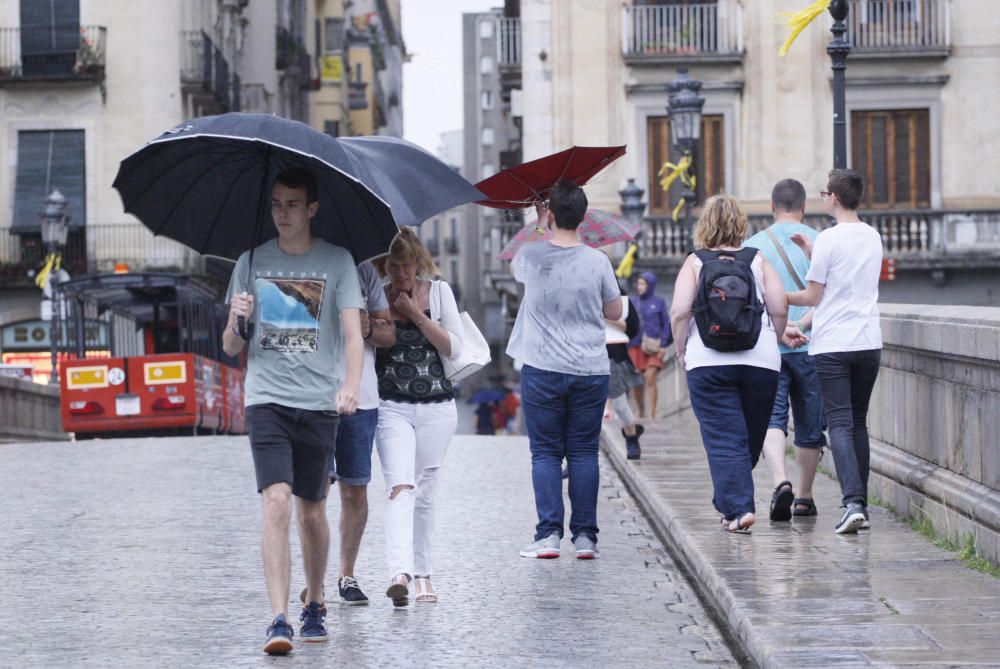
(544, 549)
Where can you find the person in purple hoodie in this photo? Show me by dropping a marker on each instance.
(648, 349)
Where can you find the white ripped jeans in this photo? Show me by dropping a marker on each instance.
(412, 440)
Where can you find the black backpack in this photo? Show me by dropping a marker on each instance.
(726, 307)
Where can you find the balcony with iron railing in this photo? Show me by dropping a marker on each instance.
(95, 248)
(508, 31)
(58, 53)
(919, 238)
(895, 28)
(205, 72)
(702, 32)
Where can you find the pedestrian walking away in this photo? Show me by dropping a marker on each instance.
(303, 373)
(623, 375)
(846, 261)
(798, 386)
(727, 309)
(559, 339)
(417, 413)
(351, 463)
(648, 347)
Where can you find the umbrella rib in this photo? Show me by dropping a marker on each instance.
(523, 183)
(145, 190)
(569, 159)
(232, 186)
(181, 199)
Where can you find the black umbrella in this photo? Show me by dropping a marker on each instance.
(415, 183)
(207, 184)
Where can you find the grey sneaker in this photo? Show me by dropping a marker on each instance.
(586, 548)
(852, 520)
(867, 525)
(545, 549)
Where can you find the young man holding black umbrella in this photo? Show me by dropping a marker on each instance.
(303, 373)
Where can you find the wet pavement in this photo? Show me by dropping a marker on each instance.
(799, 595)
(145, 552)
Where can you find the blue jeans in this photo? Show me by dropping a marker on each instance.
(733, 406)
(798, 385)
(563, 415)
(846, 380)
(351, 460)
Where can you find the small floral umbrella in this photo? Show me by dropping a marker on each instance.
(599, 228)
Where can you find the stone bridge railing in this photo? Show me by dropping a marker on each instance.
(29, 411)
(934, 419)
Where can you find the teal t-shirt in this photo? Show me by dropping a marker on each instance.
(784, 231)
(295, 357)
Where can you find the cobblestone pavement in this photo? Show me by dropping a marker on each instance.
(145, 553)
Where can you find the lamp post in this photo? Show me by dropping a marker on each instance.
(684, 110)
(54, 223)
(632, 207)
(838, 49)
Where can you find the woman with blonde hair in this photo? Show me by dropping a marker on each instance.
(417, 414)
(728, 306)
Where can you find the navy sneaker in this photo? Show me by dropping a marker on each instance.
(350, 592)
(279, 637)
(313, 623)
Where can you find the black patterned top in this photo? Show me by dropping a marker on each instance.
(411, 371)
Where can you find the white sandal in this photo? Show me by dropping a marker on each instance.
(399, 591)
(422, 588)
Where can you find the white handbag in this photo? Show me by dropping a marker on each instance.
(475, 351)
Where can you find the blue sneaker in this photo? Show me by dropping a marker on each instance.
(313, 623)
(279, 637)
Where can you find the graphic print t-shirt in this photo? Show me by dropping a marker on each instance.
(295, 357)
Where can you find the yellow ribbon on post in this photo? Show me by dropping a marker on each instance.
(627, 264)
(797, 21)
(43, 275)
(677, 169)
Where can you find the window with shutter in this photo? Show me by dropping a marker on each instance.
(48, 159)
(891, 149)
(50, 36)
(709, 162)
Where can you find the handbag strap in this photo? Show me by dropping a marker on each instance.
(435, 300)
(784, 258)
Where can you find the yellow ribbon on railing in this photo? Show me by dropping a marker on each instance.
(52, 263)
(797, 21)
(627, 264)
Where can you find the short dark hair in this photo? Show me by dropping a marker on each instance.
(789, 195)
(568, 204)
(848, 186)
(300, 177)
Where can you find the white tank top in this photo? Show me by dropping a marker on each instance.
(765, 354)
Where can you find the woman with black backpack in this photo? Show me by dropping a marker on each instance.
(728, 305)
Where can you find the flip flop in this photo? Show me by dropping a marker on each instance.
(739, 529)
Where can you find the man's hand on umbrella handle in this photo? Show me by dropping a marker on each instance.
(241, 306)
(347, 401)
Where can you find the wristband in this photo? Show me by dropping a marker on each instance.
(234, 329)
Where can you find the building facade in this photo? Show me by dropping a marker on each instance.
(85, 83)
(920, 74)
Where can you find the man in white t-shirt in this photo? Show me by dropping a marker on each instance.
(847, 337)
(351, 461)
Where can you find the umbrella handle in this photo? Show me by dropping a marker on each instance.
(246, 330)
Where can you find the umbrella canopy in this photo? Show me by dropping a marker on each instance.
(528, 183)
(416, 184)
(487, 396)
(599, 228)
(206, 184)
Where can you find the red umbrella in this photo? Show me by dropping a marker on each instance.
(528, 183)
(599, 228)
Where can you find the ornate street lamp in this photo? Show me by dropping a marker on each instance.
(632, 205)
(838, 49)
(684, 109)
(54, 223)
